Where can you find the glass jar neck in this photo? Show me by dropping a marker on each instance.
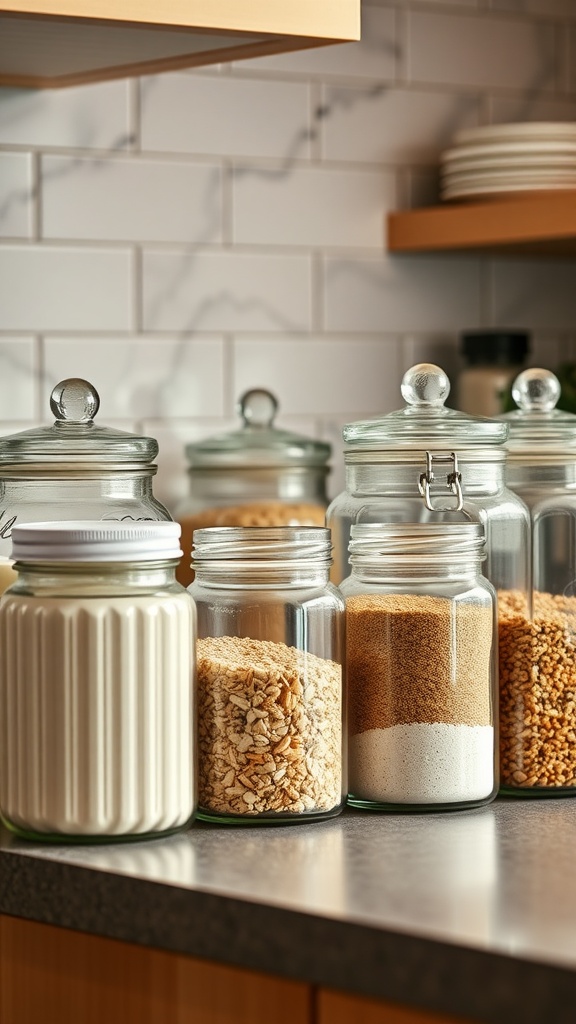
(285, 483)
(73, 578)
(386, 478)
(234, 576)
(432, 570)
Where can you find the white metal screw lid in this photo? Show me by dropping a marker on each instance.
(86, 541)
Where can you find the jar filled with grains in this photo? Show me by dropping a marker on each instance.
(258, 475)
(427, 462)
(537, 632)
(270, 675)
(421, 667)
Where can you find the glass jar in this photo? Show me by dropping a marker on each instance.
(256, 476)
(537, 635)
(96, 683)
(426, 462)
(74, 470)
(493, 358)
(270, 687)
(421, 667)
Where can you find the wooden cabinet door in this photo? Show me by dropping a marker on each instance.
(52, 975)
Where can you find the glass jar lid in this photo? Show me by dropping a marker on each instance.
(424, 422)
(95, 542)
(258, 442)
(537, 427)
(74, 437)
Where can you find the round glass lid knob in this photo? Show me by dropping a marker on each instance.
(536, 390)
(75, 401)
(258, 407)
(425, 384)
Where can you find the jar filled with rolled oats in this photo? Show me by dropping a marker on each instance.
(258, 475)
(270, 657)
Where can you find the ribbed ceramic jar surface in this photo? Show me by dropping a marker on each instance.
(75, 470)
(538, 630)
(421, 668)
(97, 645)
(258, 475)
(426, 461)
(271, 696)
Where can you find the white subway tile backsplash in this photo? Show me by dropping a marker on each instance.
(402, 293)
(131, 199)
(375, 56)
(550, 8)
(17, 378)
(534, 294)
(225, 115)
(16, 195)
(532, 108)
(144, 377)
(278, 206)
(321, 377)
(84, 116)
(205, 231)
(46, 288)
(393, 125)
(481, 51)
(226, 291)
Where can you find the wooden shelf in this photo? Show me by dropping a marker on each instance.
(535, 225)
(48, 43)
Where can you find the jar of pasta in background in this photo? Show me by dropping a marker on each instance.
(270, 675)
(96, 683)
(421, 667)
(258, 475)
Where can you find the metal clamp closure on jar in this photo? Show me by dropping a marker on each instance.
(453, 482)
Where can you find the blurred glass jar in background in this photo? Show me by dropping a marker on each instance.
(74, 469)
(426, 463)
(258, 475)
(493, 359)
(537, 631)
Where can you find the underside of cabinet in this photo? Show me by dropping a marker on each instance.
(49, 43)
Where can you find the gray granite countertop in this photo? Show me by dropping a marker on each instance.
(470, 913)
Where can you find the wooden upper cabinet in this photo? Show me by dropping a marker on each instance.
(48, 43)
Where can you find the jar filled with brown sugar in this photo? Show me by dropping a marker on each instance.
(537, 632)
(259, 475)
(271, 696)
(421, 668)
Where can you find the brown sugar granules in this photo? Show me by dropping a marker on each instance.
(270, 728)
(256, 513)
(414, 658)
(537, 690)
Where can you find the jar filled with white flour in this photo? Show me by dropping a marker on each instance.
(97, 648)
(421, 667)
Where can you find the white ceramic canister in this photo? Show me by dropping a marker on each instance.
(97, 657)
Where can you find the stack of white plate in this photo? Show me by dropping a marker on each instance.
(501, 159)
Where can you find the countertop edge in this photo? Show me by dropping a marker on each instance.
(422, 972)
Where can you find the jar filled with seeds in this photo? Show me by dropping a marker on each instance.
(421, 667)
(270, 675)
(259, 475)
(537, 632)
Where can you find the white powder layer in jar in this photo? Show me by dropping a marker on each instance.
(96, 713)
(422, 763)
